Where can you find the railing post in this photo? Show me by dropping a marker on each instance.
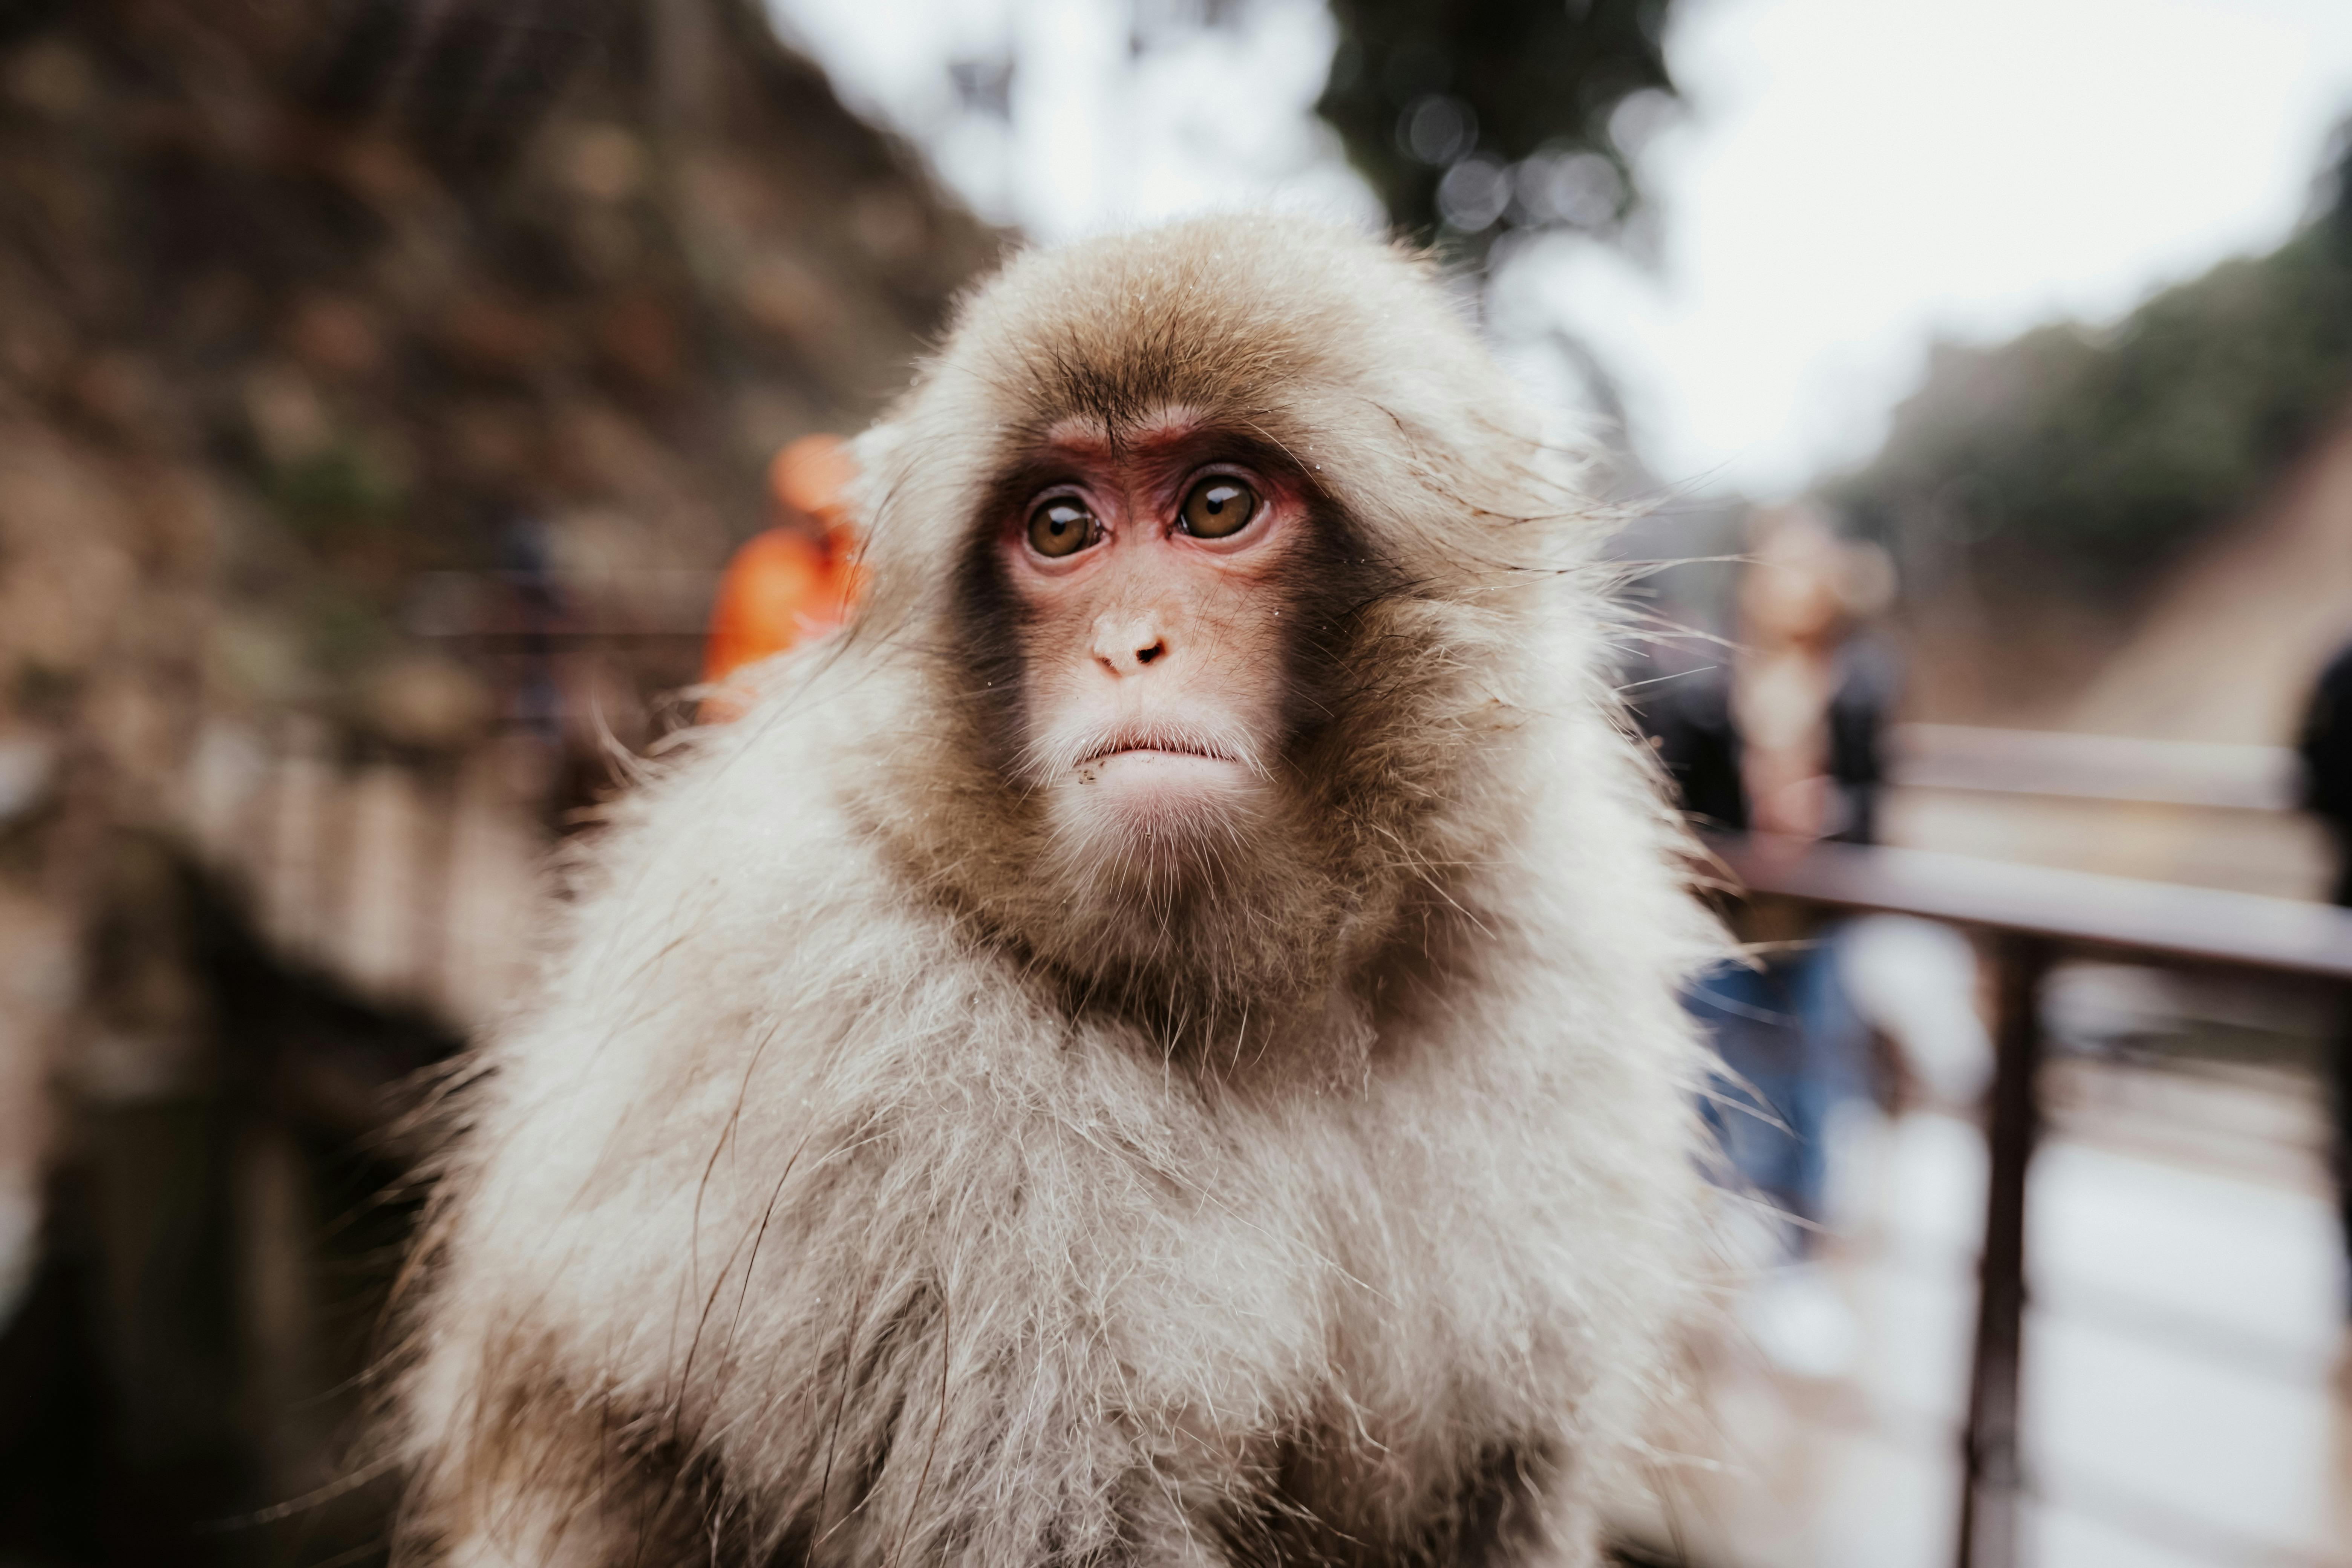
(1991, 1478)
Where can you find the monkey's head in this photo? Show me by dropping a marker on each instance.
(1213, 545)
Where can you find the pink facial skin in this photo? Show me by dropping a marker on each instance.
(1155, 657)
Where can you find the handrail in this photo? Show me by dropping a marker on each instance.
(2082, 765)
(2030, 913)
(2202, 926)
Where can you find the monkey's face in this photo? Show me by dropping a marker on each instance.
(1150, 580)
(1206, 563)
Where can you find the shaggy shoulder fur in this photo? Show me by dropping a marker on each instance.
(863, 1190)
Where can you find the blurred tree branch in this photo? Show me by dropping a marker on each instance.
(1472, 121)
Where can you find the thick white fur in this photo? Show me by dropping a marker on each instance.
(812, 1215)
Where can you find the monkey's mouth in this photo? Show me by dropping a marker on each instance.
(1156, 746)
(1210, 752)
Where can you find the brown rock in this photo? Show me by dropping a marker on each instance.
(335, 335)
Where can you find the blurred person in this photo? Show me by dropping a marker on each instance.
(796, 580)
(548, 755)
(539, 608)
(1787, 738)
(2325, 744)
(1786, 744)
(1810, 690)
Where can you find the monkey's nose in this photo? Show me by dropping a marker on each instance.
(1124, 645)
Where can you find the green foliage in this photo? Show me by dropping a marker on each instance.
(345, 631)
(334, 490)
(2100, 452)
(1538, 80)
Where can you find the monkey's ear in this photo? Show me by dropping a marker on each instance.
(887, 536)
(874, 452)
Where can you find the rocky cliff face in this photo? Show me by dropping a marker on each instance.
(300, 300)
(381, 382)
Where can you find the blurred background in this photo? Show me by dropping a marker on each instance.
(386, 386)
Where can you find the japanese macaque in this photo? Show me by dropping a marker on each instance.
(1159, 1046)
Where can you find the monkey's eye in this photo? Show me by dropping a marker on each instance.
(1063, 526)
(1219, 506)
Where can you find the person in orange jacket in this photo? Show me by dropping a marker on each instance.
(796, 580)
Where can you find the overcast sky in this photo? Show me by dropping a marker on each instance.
(1849, 178)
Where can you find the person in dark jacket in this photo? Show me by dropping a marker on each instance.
(1783, 737)
(2327, 747)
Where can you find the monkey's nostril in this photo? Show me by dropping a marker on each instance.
(1146, 655)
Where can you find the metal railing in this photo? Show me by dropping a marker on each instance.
(2073, 765)
(2029, 916)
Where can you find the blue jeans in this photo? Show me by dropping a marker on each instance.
(1792, 1048)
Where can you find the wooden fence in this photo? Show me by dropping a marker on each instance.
(2029, 917)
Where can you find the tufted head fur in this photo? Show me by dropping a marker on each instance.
(1436, 519)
